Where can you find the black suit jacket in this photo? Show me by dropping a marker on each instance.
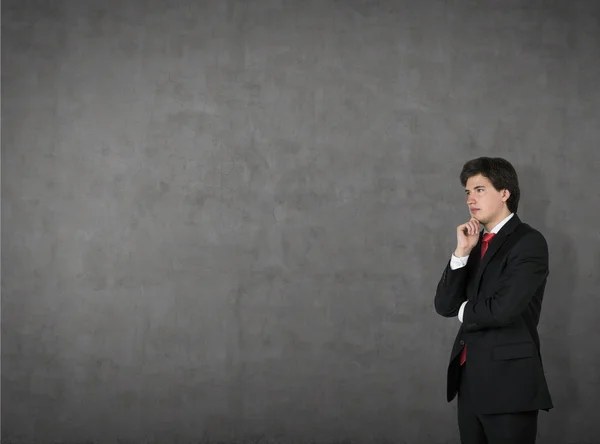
(504, 291)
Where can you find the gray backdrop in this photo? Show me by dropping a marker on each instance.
(226, 219)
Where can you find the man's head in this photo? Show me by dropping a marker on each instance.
(492, 189)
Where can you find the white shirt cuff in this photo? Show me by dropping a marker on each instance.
(461, 311)
(458, 262)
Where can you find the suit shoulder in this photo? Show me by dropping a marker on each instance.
(531, 236)
(527, 230)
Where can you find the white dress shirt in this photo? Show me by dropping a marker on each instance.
(459, 262)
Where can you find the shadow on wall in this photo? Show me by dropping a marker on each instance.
(557, 310)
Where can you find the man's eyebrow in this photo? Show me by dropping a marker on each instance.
(475, 187)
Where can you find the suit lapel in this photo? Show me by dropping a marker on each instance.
(494, 246)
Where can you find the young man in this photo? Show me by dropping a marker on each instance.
(494, 283)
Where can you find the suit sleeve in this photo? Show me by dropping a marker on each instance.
(526, 270)
(451, 291)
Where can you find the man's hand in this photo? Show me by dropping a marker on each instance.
(467, 236)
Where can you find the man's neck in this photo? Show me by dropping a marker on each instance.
(490, 225)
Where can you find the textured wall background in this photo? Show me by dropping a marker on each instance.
(222, 219)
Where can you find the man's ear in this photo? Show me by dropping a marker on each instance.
(505, 195)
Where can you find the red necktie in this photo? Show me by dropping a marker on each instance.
(487, 237)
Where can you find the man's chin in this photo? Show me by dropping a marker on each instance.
(476, 217)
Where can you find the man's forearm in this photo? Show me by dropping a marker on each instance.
(451, 292)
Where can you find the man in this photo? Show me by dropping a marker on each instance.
(494, 283)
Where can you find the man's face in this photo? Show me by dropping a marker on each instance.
(486, 204)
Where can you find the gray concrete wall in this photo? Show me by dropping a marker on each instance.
(226, 219)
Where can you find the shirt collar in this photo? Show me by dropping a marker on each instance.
(500, 225)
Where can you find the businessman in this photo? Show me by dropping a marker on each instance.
(494, 284)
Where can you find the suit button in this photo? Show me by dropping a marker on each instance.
(462, 342)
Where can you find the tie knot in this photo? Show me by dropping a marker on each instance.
(488, 237)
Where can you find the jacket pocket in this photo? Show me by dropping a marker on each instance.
(513, 351)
